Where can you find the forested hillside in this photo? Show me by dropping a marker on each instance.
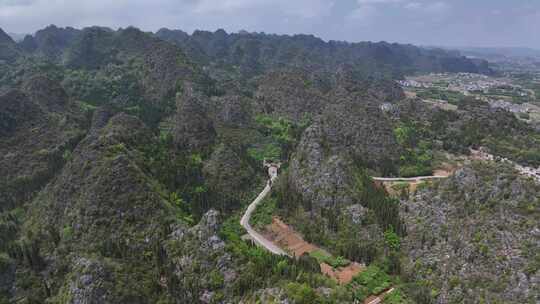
(250, 54)
(127, 159)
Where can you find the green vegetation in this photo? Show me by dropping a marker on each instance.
(181, 176)
(281, 137)
(126, 213)
(508, 94)
(371, 281)
(323, 257)
(395, 297)
(385, 208)
(267, 151)
(417, 156)
(502, 133)
(262, 268)
(262, 216)
(302, 293)
(392, 240)
(439, 94)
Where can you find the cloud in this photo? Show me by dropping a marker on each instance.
(363, 12)
(415, 21)
(413, 5)
(362, 2)
(437, 7)
(298, 8)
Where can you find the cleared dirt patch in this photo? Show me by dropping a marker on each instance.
(283, 235)
(291, 241)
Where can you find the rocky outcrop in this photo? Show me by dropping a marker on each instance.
(165, 65)
(476, 237)
(358, 126)
(194, 130)
(103, 181)
(351, 131)
(90, 283)
(348, 128)
(52, 41)
(290, 94)
(258, 53)
(9, 51)
(232, 111)
(28, 44)
(104, 205)
(47, 93)
(320, 176)
(228, 175)
(348, 79)
(199, 263)
(94, 47)
(38, 129)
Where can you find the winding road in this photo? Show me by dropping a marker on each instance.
(255, 236)
(260, 240)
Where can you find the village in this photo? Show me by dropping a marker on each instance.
(500, 92)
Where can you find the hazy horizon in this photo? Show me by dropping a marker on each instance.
(445, 23)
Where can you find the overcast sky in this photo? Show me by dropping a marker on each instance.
(423, 22)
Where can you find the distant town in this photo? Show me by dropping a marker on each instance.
(515, 93)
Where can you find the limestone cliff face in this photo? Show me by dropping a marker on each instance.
(194, 130)
(47, 93)
(9, 51)
(232, 111)
(347, 128)
(196, 256)
(103, 180)
(476, 236)
(290, 94)
(104, 231)
(319, 175)
(188, 257)
(349, 131)
(228, 175)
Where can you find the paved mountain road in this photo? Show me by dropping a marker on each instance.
(270, 246)
(273, 173)
(257, 237)
(407, 179)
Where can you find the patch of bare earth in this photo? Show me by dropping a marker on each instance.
(291, 241)
(410, 94)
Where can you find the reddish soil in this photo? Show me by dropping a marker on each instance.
(284, 236)
(290, 240)
(343, 274)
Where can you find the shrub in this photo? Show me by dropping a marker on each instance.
(371, 281)
(392, 239)
(335, 262)
(302, 293)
